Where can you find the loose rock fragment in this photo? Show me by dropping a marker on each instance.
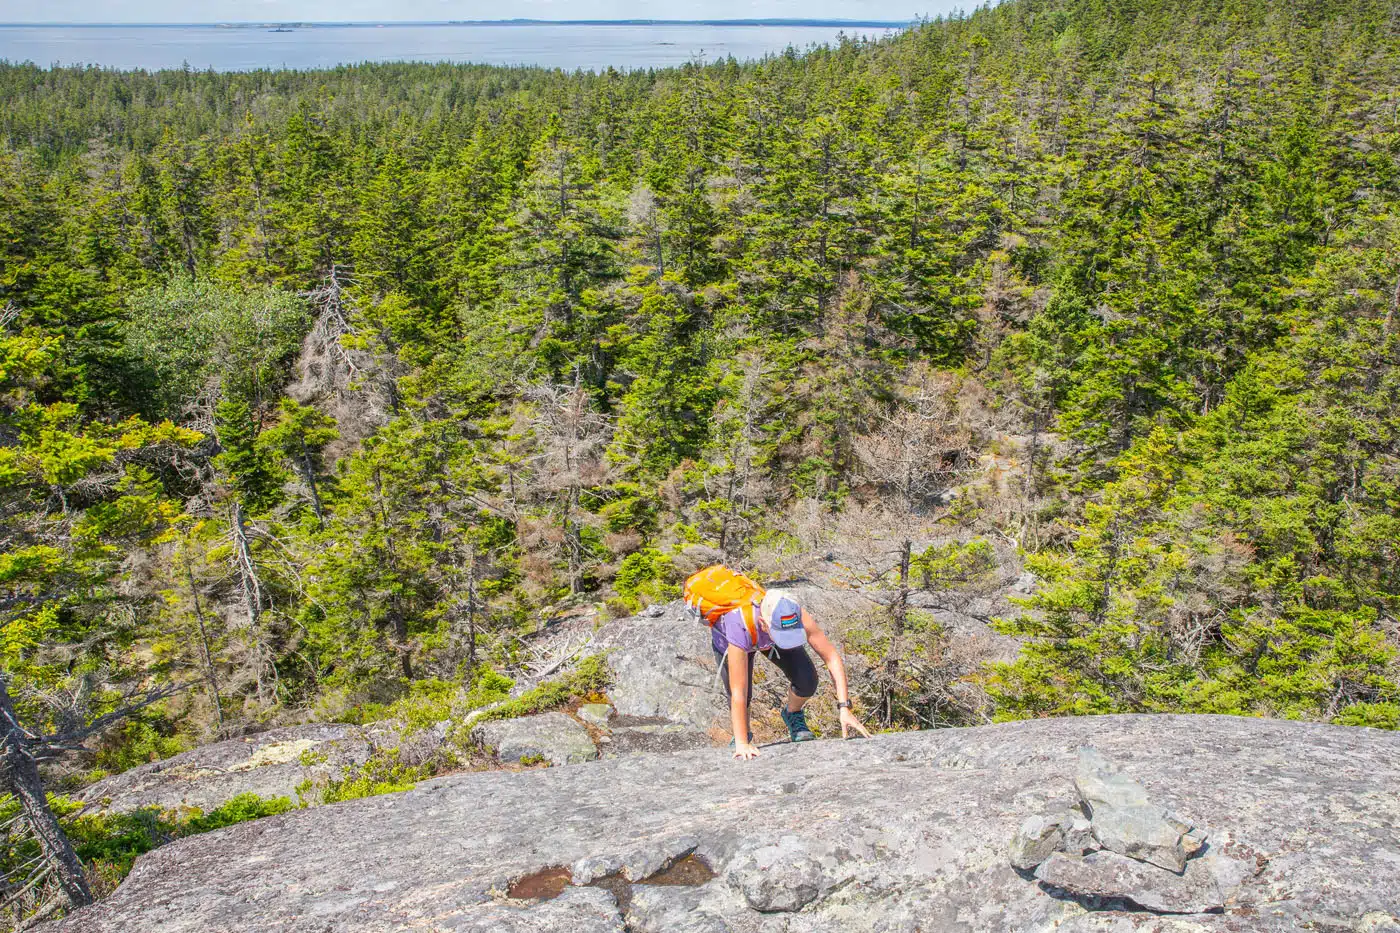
(1193, 841)
(1141, 832)
(645, 861)
(1038, 837)
(1079, 836)
(1125, 821)
(1100, 785)
(595, 714)
(590, 869)
(1110, 875)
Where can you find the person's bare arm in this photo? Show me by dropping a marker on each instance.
(738, 661)
(832, 659)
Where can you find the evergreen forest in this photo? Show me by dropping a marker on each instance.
(321, 392)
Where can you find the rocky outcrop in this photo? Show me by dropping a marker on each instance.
(1114, 844)
(1123, 820)
(901, 833)
(551, 737)
(664, 698)
(663, 668)
(663, 695)
(269, 764)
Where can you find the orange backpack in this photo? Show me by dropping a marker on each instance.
(715, 591)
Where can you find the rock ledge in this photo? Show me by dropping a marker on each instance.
(906, 832)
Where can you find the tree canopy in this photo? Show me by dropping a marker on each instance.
(317, 385)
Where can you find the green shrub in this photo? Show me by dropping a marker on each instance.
(1375, 715)
(360, 713)
(942, 567)
(382, 773)
(428, 702)
(432, 700)
(240, 809)
(620, 607)
(590, 677)
(110, 843)
(488, 686)
(632, 511)
(142, 738)
(646, 573)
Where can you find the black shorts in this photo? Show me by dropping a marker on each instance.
(795, 664)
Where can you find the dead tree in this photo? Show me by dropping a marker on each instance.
(909, 461)
(571, 438)
(472, 606)
(331, 324)
(21, 751)
(307, 468)
(22, 777)
(249, 584)
(205, 653)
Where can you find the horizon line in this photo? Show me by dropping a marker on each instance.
(750, 21)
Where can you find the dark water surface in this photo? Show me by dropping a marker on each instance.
(553, 45)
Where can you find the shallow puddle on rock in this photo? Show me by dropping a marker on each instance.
(548, 883)
(690, 871)
(543, 885)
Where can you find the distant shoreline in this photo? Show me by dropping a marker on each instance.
(827, 23)
(587, 45)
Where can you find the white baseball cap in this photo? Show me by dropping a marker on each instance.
(783, 617)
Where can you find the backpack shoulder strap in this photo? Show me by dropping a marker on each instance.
(746, 611)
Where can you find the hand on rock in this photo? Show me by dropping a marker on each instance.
(745, 750)
(849, 722)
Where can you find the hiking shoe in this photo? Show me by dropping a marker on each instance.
(797, 726)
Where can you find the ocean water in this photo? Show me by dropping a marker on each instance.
(552, 45)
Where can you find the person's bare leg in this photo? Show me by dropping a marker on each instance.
(795, 702)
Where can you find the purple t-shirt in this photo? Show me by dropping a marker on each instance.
(731, 630)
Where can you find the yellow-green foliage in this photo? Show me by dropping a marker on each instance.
(383, 773)
(428, 701)
(142, 738)
(591, 676)
(432, 700)
(647, 572)
(945, 566)
(110, 843)
(488, 686)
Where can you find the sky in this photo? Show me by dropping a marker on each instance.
(216, 11)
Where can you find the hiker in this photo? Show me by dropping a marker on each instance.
(745, 620)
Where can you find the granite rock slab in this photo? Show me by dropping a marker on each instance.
(900, 833)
